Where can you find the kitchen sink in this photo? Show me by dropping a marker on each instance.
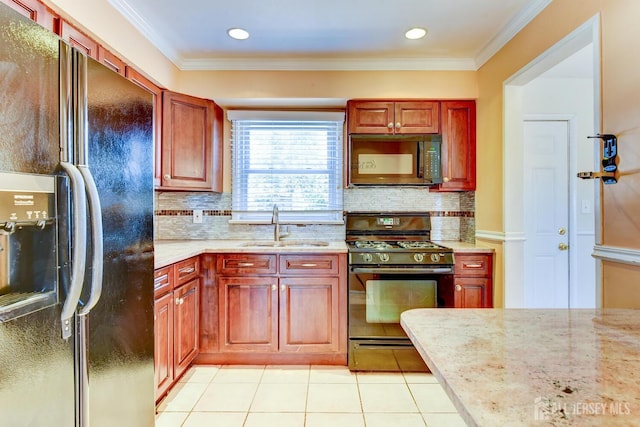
(286, 243)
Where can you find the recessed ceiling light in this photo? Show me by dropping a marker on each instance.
(415, 33)
(238, 33)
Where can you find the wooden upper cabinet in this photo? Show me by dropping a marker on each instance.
(388, 117)
(417, 117)
(370, 117)
(458, 146)
(110, 60)
(191, 143)
(35, 11)
(78, 39)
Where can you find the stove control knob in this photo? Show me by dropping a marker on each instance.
(418, 257)
(435, 257)
(383, 257)
(367, 257)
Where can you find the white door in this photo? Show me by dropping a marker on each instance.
(546, 203)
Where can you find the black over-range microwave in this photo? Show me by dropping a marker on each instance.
(395, 159)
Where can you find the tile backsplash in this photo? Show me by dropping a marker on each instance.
(452, 214)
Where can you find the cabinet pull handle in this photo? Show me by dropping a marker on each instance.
(245, 264)
(187, 270)
(308, 264)
(472, 265)
(458, 288)
(160, 279)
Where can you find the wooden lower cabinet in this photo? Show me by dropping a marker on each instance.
(163, 339)
(473, 280)
(248, 313)
(309, 314)
(276, 308)
(176, 323)
(186, 325)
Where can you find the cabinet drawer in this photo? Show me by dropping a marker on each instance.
(187, 270)
(473, 265)
(162, 282)
(240, 264)
(326, 265)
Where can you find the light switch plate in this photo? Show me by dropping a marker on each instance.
(197, 216)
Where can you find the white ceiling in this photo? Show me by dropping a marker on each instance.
(329, 34)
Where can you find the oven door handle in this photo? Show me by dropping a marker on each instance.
(403, 270)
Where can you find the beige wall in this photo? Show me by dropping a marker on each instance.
(243, 86)
(620, 116)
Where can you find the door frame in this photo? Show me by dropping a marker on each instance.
(513, 205)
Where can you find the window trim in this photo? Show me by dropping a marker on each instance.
(289, 217)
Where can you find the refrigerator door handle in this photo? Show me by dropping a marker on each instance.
(79, 252)
(95, 219)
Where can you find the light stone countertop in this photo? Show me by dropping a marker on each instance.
(171, 251)
(534, 367)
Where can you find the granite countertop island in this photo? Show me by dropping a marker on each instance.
(530, 367)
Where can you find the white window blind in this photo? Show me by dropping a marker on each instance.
(289, 159)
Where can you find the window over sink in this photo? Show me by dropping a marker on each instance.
(292, 159)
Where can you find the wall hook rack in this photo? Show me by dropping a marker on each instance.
(608, 175)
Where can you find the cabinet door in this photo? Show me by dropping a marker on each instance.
(110, 60)
(163, 343)
(471, 292)
(187, 311)
(417, 117)
(309, 314)
(370, 117)
(458, 146)
(187, 142)
(79, 40)
(248, 313)
(35, 11)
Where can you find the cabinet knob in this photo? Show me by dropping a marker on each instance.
(398, 125)
(282, 288)
(390, 125)
(458, 288)
(563, 246)
(445, 179)
(167, 176)
(274, 287)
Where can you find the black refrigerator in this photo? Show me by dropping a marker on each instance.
(76, 237)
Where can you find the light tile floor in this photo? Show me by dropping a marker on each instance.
(310, 396)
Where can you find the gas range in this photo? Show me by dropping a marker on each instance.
(399, 239)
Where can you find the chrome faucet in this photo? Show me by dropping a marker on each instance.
(276, 221)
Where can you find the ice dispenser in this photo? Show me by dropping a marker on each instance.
(28, 240)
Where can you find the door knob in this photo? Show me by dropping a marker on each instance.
(562, 231)
(563, 246)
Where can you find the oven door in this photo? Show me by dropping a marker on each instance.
(377, 297)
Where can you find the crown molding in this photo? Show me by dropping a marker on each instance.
(507, 32)
(329, 64)
(147, 30)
